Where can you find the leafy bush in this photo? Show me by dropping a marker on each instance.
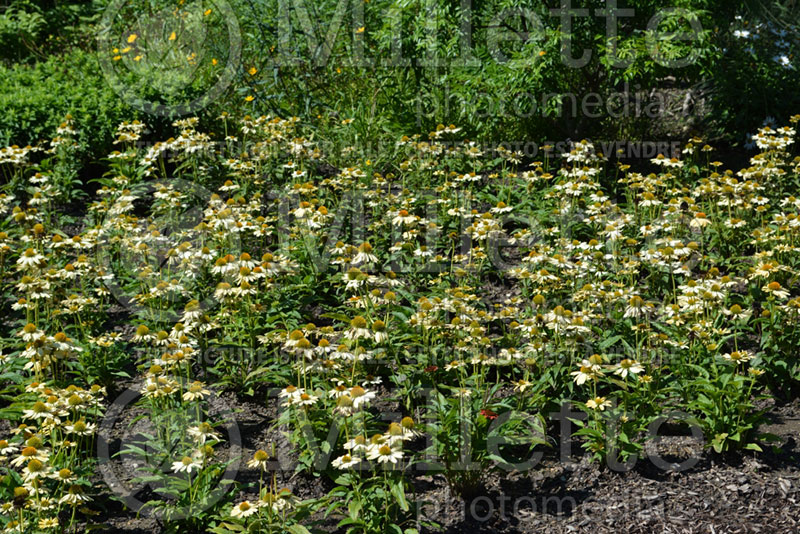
(35, 99)
(497, 68)
(19, 29)
(750, 80)
(32, 29)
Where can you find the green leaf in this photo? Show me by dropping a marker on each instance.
(400, 494)
(610, 341)
(769, 437)
(354, 508)
(228, 527)
(338, 316)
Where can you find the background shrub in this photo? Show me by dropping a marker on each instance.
(35, 98)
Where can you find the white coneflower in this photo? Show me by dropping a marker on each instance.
(598, 403)
(292, 340)
(44, 503)
(462, 393)
(423, 252)
(409, 428)
(202, 433)
(558, 319)
(358, 329)
(385, 454)
(365, 255)
(39, 410)
(628, 366)
(379, 333)
(81, 428)
(306, 399)
(196, 391)
(738, 356)
(225, 266)
(324, 348)
(396, 434)
(290, 394)
(455, 364)
(64, 475)
(187, 464)
(521, 385)
(358, 443)
(338, 390)
(736, 313)
(404, 218)
(243, 509)
(361, 396)
(245, 260)
(354, 278)
(765, 270)
(47, 523)
(23, 429)
(31, 333)
(260, 460)
(713, 291)
(6, 448)
(305, 348)
(340, 249)
(636, 308)
(775, 289)
(277, 502)
(142, 335)
(586, 371)
(346, 462)
(699, 221)
(649, 200)
(344, 405)
(30, 259)
(224, 291)
(342, 352)
(35, 469)
(244, 289)
(74, 496)
(735, 222)
(192, 312)
(159, 386)
(303, 210)
(228, 186)
(372, 380)
(501, 208)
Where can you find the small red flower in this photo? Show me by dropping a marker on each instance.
(488, 414)
(431, 368)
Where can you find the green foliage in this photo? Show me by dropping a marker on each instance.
(726, 411)
(470, 437)
(756, 65)
(36, 98)
(19, 29)
(179, 461)
(373, 503)
(496, 67)
(32, 29)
